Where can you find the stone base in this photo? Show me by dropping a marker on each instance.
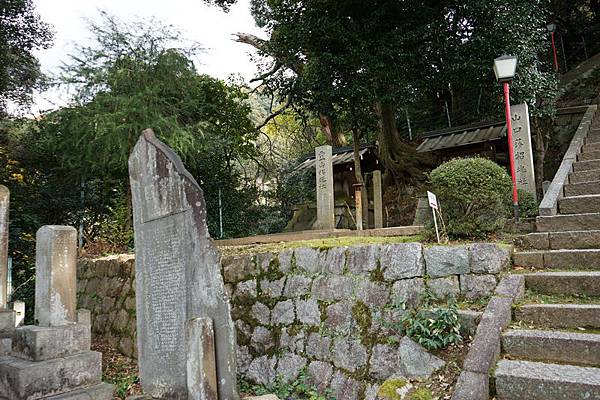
(29, 380)
(39, 343)
(5, 346)
(103, 391)
(7, 320)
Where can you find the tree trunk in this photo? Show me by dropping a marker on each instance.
(541, 140)
(334, 137)
(359, 176)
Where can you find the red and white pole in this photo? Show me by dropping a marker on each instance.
(511, 151)
(554, 52)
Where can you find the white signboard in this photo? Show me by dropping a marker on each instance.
(522, 149)
(432, 200)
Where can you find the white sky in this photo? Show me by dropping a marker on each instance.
(209, 26)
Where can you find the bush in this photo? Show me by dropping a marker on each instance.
(474, 196)
(528, 207)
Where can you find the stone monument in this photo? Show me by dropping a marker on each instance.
(524, 171)
(56, 279)
(178, 277)
(53, 360)
(325, 200)
(377, 199)
(4, 205)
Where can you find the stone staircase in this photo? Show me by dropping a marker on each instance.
(571, 238)
(555, 356)
(552, 351)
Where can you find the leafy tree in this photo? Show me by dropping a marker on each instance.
(21, 32)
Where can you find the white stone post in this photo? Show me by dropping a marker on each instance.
(523, 150)
(4, 206)
(55, 275)
(325, 200)
(377, 199)
(201, 366)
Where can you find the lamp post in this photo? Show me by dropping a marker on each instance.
(552, 29)
(504, 69)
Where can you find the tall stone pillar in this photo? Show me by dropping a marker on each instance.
(4, 204)
(523, 150)
(55, 275)
(377, 199)
(325, 200)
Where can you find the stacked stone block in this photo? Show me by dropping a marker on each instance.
(53, 359)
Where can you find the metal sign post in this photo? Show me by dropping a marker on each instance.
(434, 206)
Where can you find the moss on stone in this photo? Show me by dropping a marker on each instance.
(388, 390)
(362, 316)
(421, 394)
(377, 274)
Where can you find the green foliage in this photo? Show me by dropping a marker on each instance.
(388, 389)
(421, 394)
(433, 329)
(21, 33)
(473, 195)
(528, 207)
(298, 389)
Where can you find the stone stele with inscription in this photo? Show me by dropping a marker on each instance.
(178, 275)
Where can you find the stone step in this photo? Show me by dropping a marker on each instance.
(559, 259)
(582, 189)
(586, 165)
(580, 204)
(559, 240)
(584, 176)
(571, 222)
(591, 147)
(553, 346)
(593, 137)
(560, 315)
(103, 391)
(527, 380)
(591, 155)
(565, 283)
(31, 380)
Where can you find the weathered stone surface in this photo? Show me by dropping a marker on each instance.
(289, 366)
(332, 287)
(307, 260)
(283, 313)
(582, 189)
(574, 240)
(512, 286)
(373, 294)
(292, 342)
(238, 268)
(7, 321)
(488, 258)
(263, 261)
(474, 287)
(285, 260)
(318, 347)
(55, 269)
(262, 370)
(533, 259)
(308, 312)
(579, 204)
(469, 320)
(498, 312)
(572, 258)
(441, 288)
(297, 285)
(533, 241)
(363, 259)
(102, 391)
(178, 274)
(4, 208)
(246, 290)
(540, 381)
(24, 379)
(39, 343)
(84, 317)
(408, 291)
(401, 261)
(472, 386)
(560, 315)
(563, 223)
(583, 176)
(244, 358)
(262, 339)
(377, 199)
(383, 362)
(553, 346)
(567, 283)
(343, 387)
(261, 313)
(273, 289)
(325, 199)
(319, 375)
(339, 318)
(586, 165)
(332, 261)
(349, 354)
(446, 260)
(484, 350)
(415, 361)
(201, 368)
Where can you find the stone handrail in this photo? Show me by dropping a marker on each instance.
(549, 204)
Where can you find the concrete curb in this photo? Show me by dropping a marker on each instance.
(473, 382)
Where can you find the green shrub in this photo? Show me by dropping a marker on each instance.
(528, 207)
(433, 329)
(473, 195)
(298, 389)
